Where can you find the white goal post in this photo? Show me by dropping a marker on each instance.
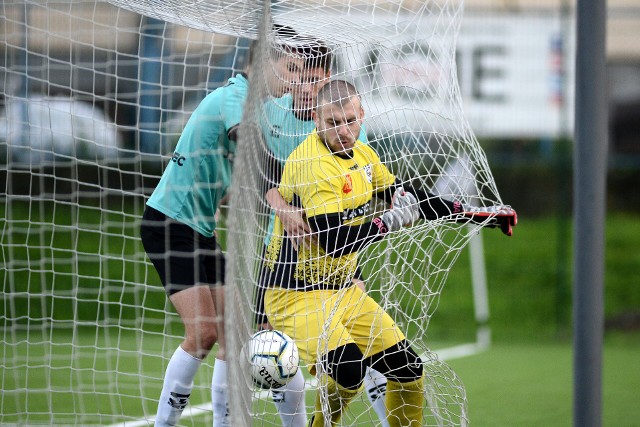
(93, 97)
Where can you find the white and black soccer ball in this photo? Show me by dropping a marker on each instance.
(273, 358)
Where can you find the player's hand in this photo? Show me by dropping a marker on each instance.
(264, 327)
(504, 217)
(405, 210)
(296, 227)
(359, 283)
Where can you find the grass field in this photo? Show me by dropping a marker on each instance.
(531, 384)
(57, 276)
(508, 385)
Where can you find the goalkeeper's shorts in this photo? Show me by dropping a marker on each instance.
(320, 321)
(183, 257)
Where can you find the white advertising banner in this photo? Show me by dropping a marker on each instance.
(516, 75)
(514, 70)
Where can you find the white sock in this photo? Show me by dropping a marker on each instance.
(178, 382)
(289, 399)
(219, 396)
(376, 386)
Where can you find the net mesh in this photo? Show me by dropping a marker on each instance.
(393, 57)
(95, 96)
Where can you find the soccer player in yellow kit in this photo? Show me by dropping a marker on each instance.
(289, 123)
(311, 296)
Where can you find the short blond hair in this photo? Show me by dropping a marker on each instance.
(336, 91)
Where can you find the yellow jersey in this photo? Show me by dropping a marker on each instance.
(322, 182)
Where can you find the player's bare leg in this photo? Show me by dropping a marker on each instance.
(195, 306)
(197, 310)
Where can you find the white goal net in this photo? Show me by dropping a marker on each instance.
(94, 96)
(397, 58)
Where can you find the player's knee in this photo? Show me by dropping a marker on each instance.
(201, 342)
(208, 337)
(398, 363)
(345, 365)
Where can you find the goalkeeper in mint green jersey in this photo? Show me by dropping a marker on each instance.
(178, 231)
(288, 121)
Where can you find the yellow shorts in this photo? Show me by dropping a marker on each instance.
(323, 320)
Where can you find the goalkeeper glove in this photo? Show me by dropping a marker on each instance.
(492, 216)
(405, 210)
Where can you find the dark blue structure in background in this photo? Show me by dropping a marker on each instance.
(151, 75)
(155, 74)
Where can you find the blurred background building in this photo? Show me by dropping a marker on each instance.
(100, 65)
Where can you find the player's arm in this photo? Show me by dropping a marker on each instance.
(292, 218)
(325, 215)
(431, 206)
(232, 133)
(386, 187)
(281, 200)
(232, 109)
(434, 207)
(338, 239)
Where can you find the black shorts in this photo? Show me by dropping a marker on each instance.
(183, 257)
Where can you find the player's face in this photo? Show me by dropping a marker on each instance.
(338, 125)
(306, 92)
(285, 74)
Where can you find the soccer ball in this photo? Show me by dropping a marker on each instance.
(273, 358)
